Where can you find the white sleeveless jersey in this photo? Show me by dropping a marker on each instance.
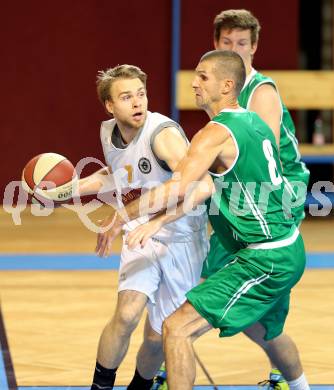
(135, 168)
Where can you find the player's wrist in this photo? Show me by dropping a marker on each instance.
(121, 218)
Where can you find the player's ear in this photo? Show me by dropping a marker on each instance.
(109, 106)
(254, 48)
(227, 86)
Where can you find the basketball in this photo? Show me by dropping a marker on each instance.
(49, 176)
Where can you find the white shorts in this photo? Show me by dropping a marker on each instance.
(164, 272)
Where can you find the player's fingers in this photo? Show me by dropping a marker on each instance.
(108, 249)
(98, 252)
(129, 239)
(134, 240)
(98, 242)
(111, 235)
(99, 236)
(102, 245)
(132, 236)
(138, 241)
(145, 239)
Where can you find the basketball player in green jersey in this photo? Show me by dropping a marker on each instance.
(269, 256)
(238, 30)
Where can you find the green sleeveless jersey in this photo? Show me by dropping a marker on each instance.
(293, 168)
(247, 205)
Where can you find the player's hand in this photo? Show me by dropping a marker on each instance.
(142, 234)
(111, 227)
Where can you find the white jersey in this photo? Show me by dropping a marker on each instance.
(136, 168)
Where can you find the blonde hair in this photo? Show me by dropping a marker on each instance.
(105, 78)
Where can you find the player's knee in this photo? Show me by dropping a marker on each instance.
(127, 319)
(172, 327)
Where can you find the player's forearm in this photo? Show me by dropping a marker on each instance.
(92, 184)
(169, 216)
(158, 199)
(153, 201)
(202, 190)
(167, 195)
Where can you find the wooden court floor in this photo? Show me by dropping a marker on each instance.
(53, 318)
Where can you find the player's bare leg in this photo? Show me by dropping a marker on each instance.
(150, 355)
(180, 330)
(115, 338)
(281, 351)
(283, 354)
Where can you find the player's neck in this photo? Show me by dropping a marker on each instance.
(230, 103)
(127, 133)
(249, 70)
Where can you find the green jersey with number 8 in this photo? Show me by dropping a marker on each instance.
(294, 170)
(249, 194)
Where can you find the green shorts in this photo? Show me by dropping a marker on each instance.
(253, 287)
(217, 257)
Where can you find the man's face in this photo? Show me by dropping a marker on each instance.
(206, 86)
(128, 102)
(238, 41)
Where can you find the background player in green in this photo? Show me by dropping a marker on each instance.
(254, 287)
(238, 30)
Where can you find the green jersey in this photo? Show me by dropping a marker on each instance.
(247, 206)
(293, 168)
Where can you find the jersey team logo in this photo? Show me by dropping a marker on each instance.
(144, 165)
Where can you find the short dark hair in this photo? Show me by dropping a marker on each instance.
(228, 63)
(105, 78)
(237, 18)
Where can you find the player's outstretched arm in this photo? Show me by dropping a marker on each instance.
(91, 185)
(206, 145)
(266, 103)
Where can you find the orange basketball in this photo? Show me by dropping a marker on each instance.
(49, 176)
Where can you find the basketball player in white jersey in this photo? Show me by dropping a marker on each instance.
(143, 148)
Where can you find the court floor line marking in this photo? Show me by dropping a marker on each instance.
(3, 378)
(8, 374)
(58, 262)
(206, 387)
(92, 262)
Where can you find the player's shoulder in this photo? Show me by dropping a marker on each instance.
(212, 132)
(266, 94)
(108, 124)
(162, 124)
(259, 82)
(159, 118)
(260, 78)
(107, 127)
